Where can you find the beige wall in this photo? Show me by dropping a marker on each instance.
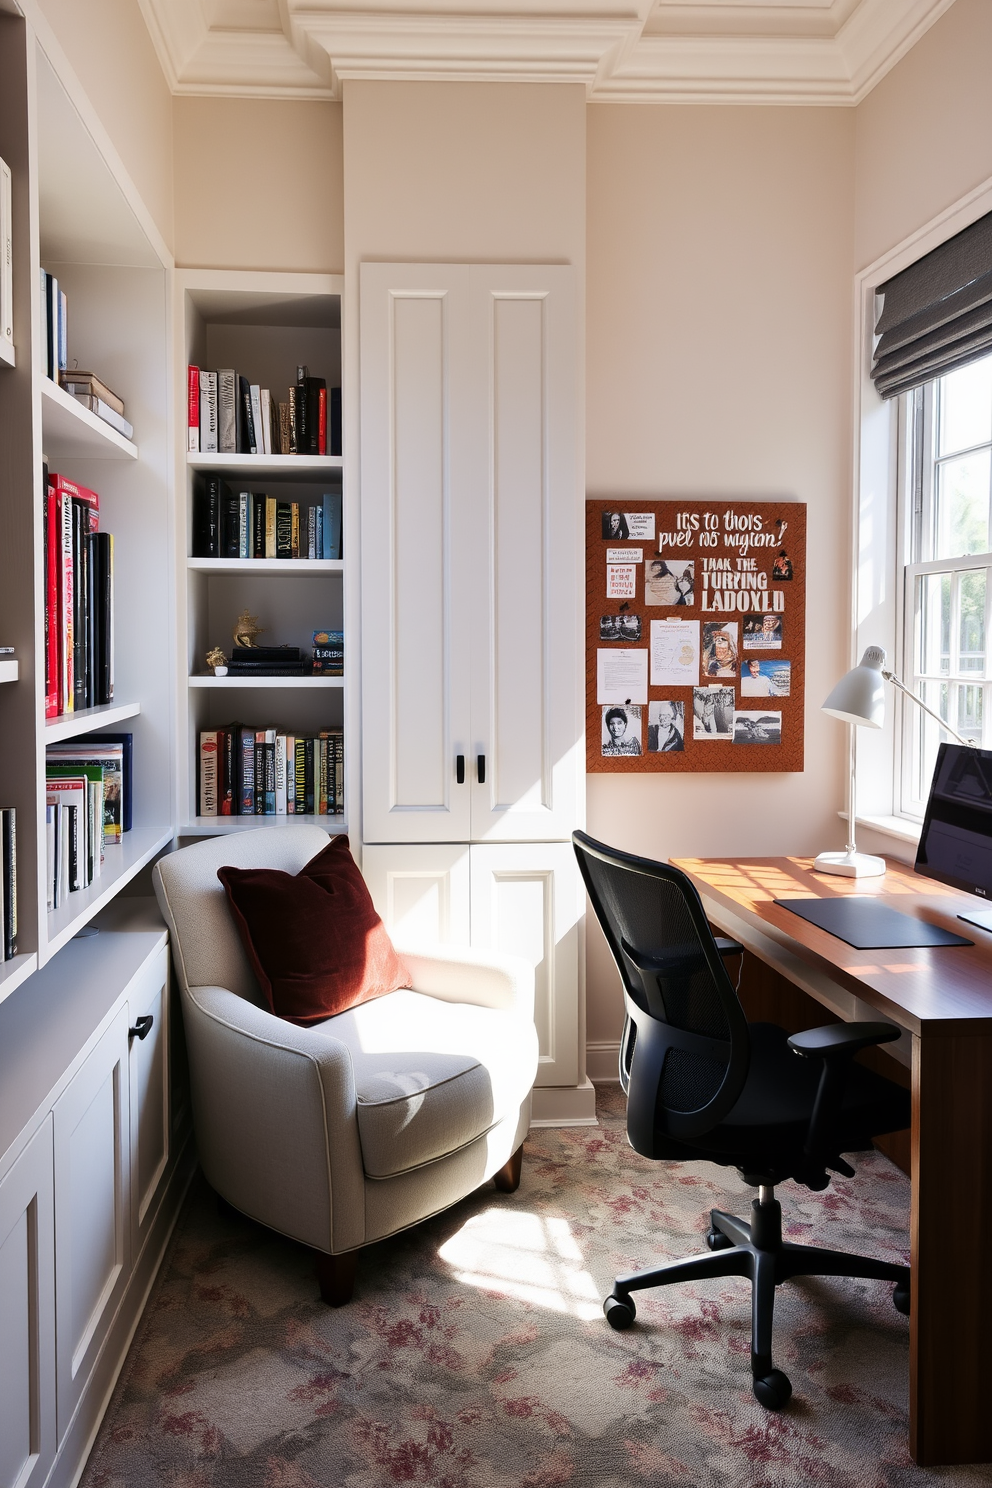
(718, 362)
(259, 184)
(112, 54)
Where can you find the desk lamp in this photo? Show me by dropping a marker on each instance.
(859, 700)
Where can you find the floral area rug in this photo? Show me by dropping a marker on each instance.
(475, 1352)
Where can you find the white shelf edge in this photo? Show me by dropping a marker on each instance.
(87, 720)
(265, 565)
(262, 682)
(15, 971)
(8, 671)
(8, 355)
(120, 865)
(92, 429)
(219, 826)
(263, 464)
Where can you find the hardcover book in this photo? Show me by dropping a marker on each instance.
(227, 411)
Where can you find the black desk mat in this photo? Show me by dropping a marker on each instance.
(863, 922)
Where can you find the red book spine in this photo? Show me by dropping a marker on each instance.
(53, 538)
(89, 498)
(193, 410)
(322, 421)
(63, 509)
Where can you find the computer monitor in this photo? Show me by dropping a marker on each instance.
(956, 841)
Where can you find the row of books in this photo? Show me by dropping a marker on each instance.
(244, 771)
(79, 599)
(8, 883)
(85, 387)
(87, 809)
(227, 414)
(250, 524)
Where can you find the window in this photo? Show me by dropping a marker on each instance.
(948, 580)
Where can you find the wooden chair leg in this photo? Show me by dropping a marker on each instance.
(507, 1180)
(336, 1276)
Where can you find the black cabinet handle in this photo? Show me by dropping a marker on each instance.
(460, 768)
(481, 764)
(141, 1029)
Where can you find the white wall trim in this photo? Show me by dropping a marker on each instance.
(603, 1061)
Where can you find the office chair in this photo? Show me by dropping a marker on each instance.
(702, 1082)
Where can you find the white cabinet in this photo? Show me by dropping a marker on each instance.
(149, 1091)
(421, 890)
(27, 1316)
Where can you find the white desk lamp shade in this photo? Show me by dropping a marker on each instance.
(858, 699)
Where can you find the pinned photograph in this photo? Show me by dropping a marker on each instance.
(720, 649)
(669, 581)
(620, 628)
(757, 728)
(765, 678)
(666, 727)
(615, 527)
(622, 730)
(762, 632)
(621, 581)
(713, 713)
(782, 567)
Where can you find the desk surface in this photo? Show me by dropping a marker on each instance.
(925, 989)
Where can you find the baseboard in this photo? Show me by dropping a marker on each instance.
(77, 1443)
(564, 1105)
(603, 1062)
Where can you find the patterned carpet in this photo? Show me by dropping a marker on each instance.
(475, 1352)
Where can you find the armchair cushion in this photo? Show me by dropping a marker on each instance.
(314, 940)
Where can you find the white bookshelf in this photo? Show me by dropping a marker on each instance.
(8, 356)
(70, 430)
(8, 671)
(88, 721)
(263, 325)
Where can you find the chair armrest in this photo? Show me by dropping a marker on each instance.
(841, 1039)
(481, 978)
(728, 947)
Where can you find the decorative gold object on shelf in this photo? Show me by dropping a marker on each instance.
(246, 628)
(216, 658)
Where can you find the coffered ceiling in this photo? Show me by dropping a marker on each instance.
(717, 51)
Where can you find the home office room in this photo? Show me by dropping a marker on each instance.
(493, 608)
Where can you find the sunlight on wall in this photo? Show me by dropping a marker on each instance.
(526, 1256)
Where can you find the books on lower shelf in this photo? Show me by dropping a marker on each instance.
(248, 771)
(79, 600)
(8, 883)
(228, 414)
(251, 524)
(87, 809)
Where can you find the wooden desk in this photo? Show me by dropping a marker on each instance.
(942, 998)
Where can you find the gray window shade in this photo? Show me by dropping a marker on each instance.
(937, 314)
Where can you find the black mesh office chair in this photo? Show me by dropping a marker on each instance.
(702, 1082)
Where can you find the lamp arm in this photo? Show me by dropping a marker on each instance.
(891, 677)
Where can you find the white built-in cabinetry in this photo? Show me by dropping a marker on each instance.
(471, 620)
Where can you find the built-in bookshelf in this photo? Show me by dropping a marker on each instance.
(265, 326)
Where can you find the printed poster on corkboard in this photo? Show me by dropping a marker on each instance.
(695, 635)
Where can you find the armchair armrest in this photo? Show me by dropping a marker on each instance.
(482, 978)
(841, 1039)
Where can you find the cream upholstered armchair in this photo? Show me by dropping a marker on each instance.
(347, 1131)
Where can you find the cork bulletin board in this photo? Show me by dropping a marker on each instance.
(695, 635)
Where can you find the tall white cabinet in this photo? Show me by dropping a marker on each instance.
(472, 684)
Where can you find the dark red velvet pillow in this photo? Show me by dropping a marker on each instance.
(314, 939)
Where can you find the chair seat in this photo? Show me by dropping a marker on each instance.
(431, 1076)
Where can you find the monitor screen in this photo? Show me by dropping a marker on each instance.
(956, 841)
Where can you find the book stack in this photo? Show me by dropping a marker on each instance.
(89, 392)
(227, 414)
(87, 809)
(267, 661)
(54, 349)
(8, 883)
(328, 653)
(245, 771)
(250, 524)
(79, 600)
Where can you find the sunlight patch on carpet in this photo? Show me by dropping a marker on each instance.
(531, 1257)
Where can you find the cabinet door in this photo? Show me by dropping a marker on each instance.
(527, 638)
(527, 901)
(418, 492)
(27, 1316)
(421, 891)
(92, 1149)
(148, 1078)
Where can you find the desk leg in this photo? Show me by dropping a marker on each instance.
(950, 1381)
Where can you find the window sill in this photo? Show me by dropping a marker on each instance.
(903, 828)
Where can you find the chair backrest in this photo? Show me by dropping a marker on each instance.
(686, 1049)
(206, 947)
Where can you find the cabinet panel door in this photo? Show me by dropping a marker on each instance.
(527, 641)
(148, 1076)
(421, 891)
(526, 901)
(418, 466)
(27, 1316)
(92, 1150)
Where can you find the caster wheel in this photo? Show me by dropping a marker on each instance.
(773, 1390)
(620, 1312)
(717, 1240)
(900, 1298)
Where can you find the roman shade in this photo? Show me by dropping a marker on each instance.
(936, 315)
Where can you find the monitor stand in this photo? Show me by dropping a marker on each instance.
(982, 918)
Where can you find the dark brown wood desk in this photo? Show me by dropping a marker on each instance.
(942, 998)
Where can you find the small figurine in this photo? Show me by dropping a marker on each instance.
(217, 662)
(246, 628)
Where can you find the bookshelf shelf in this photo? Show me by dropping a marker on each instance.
(262, 566)
(283, 465)
(8, 671)
(87, 720)
(218, 826)
(263, 682)
(7, 356)
(15, 971)
(69, 430)
(137, 848)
